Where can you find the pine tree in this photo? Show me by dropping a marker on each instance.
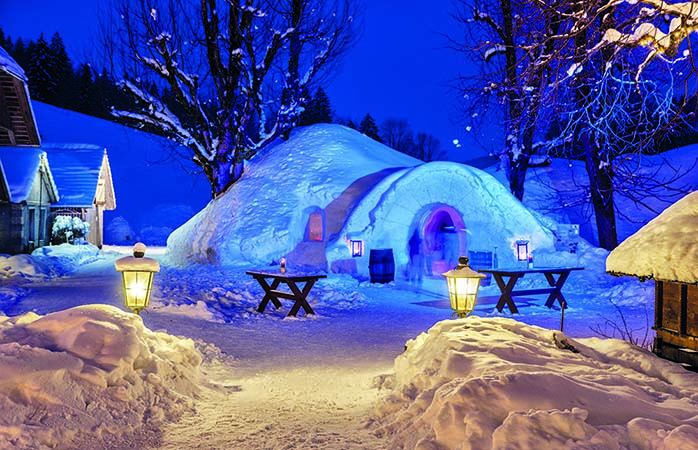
(369, 128)
(87, 95)
(20, 53)
(41, 84)
(318, 110)
(61, 71)
(5, 42)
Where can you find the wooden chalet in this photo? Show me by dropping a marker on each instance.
(83, 176)
(17, 123)
(27, 190)
(666, 250)
(82, 173)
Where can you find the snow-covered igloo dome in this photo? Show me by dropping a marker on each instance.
(306, 198)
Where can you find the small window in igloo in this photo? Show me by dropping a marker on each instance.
(315, 227)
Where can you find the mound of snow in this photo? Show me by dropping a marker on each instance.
(89, 374)
(664, 249)
(497, 383)
(66, 258)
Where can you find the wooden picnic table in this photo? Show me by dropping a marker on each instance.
(273, 294)
(506, 280)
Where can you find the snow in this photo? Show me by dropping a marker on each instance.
(497, 383)
(89, 374)
(93, 376)
(21, 169)
(379, 196)
(560, 191)
(75, 169)
(664, 249)
(149, 181)
(8, 64)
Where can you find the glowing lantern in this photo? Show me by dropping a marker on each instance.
(315, 227)
(137, 273)
(463, 284)
(522, 250)
(357, 248)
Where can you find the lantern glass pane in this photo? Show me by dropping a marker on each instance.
(137, 288)
(522, 250)
(463, 293)
(357, 248)
(315, 227)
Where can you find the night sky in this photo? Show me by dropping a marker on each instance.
(399, 69)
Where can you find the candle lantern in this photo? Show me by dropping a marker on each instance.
(463, 284)
(357, 248)
(137, 273)
(522, 250)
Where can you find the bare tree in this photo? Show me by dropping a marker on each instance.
(427, 148)
(512, 42)
(397, 134)
(555, 70)
(234, 71)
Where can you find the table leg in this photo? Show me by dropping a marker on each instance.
(557, 285)
(506, 290)
(301, 297)
(268, 295)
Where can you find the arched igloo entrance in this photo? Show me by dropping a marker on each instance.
(443, 230)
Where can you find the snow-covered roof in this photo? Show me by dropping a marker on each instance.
(8, 64)
(664, 249)
(21, 166)
(75, 169)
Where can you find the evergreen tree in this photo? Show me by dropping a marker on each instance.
(61, 71)
(5, 42)
(42, 86)
(318, 110)
(20, 52)
(369, 128)
(87, 95)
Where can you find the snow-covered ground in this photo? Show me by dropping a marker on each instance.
(378, 366)
(329, 380)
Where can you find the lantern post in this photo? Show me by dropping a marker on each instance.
(463, 284)
(137, 274)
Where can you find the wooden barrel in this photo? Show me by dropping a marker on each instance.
(381, 265)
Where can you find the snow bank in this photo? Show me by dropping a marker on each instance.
(496, 383)
(664, 249)
(89, 374)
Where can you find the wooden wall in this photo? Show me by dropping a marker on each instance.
(676, 321)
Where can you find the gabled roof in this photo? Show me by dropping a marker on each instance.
(8, 64)
(665, 249)
(20, 168)
(76, 169)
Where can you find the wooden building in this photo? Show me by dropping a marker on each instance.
(83, 177)
(27, 190)
(666, 250)
(17, 123)
(82, 173)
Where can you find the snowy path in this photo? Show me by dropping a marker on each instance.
(286, 383)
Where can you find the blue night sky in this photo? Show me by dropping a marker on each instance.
(399, 69)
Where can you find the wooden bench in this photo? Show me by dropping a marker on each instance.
(271, 293)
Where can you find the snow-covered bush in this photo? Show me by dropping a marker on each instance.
(68, 229)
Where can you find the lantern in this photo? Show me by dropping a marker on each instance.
(463, 284)
(137, 273)
(357, 248)
(522, 250)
